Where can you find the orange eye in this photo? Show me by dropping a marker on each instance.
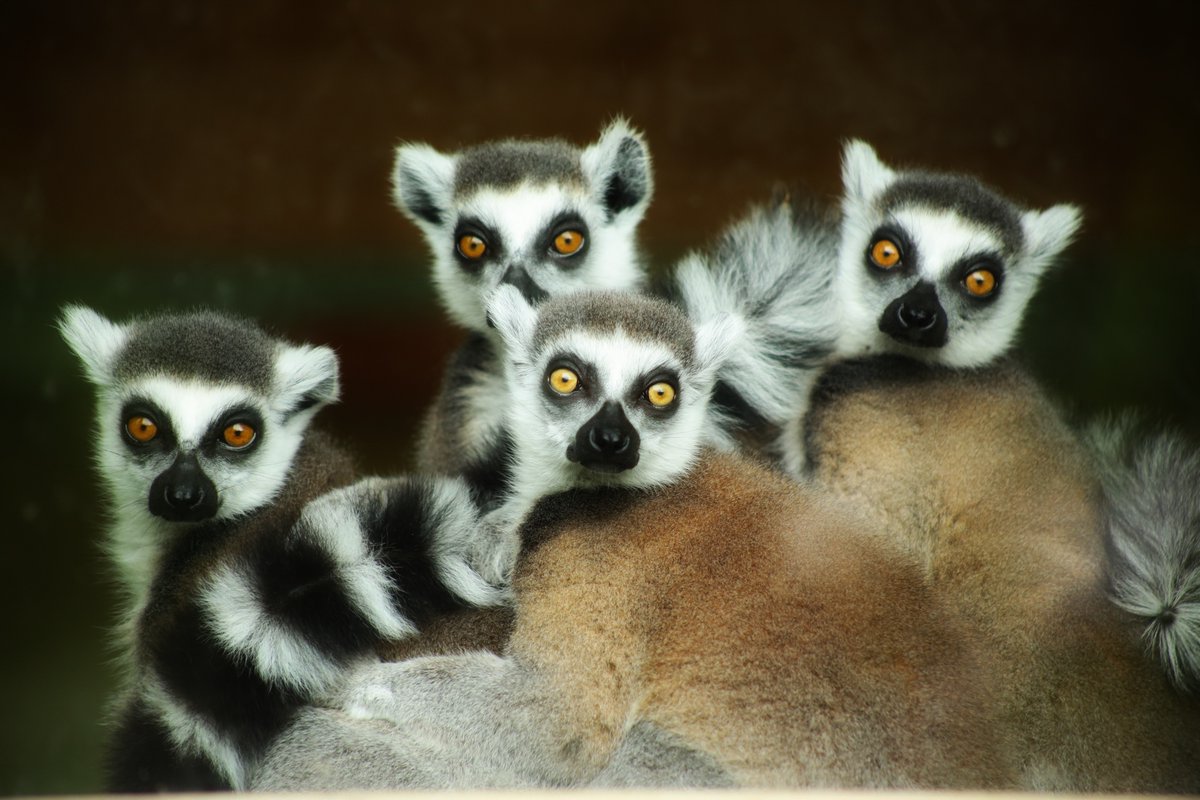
(980, 283)
(661, 394)
(568, 243)
(141, 429)
(238, 435)
(472, 247)
(564, 381)
(885, 254)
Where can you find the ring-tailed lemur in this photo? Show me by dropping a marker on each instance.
(933, 266)
(543, 216)
(1152, 526)
(240, 606)
(976, 473)
(673, 602)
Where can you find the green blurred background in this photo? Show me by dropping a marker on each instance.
(236, 154)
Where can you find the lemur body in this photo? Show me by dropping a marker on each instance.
(543, 216)
(244, 601)
(935, 267)
(736, 625)
(975, 473)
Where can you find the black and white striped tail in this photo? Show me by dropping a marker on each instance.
(278, 621)
(1152, 526)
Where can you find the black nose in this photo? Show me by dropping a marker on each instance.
(607, 442)
(183, 493)
(916, 317)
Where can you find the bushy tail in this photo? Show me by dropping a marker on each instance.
(774, 269)
(1152, 526)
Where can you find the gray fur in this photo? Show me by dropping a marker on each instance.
(1152, 527)
(650, 757)
(205, 345)
(774, 269)
(605, 312)
(508, 163)
(962, 195)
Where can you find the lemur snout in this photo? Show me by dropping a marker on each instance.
(183, 493)
(607, 442)
(516, 276)
(916, 317)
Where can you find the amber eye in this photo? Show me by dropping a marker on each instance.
(661, 394)
(568, 243)
(238, 435)
(885, 253)
(564, 381)
(141, 429)
(980, 283)
(472, 247)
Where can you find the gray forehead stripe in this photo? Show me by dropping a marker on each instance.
(965, 196)
(648, 319)
(509, 163)
(201, 344)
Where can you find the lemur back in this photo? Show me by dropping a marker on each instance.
(976, 474)
(251, 584)
(543, 216)
(671, 594)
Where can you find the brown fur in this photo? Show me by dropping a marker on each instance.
(757, 620)
(979, 477)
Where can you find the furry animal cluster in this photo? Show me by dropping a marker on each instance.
(797, 522)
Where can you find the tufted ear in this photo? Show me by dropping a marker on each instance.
(423, 183)
(1048, 232)
(514, 319)
(94, 339)
(617, 168)
(306, 377)
(864, 176)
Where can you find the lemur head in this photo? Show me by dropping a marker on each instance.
(543, 216)
(607, 388)
(938, 266)
(199, 414)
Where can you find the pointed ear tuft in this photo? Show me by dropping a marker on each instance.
(306, 377)
(514, 319)
(1048, 232)
(617, 168)
(864, 176)
(423, 183)
(94, 339)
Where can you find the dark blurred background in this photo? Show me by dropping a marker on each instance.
(236, 154)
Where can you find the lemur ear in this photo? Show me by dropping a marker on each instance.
(513, 317)
(864, 176)
(306, 377)
(423, 183)
(1048, 232)
(716, 339)
(94, 339)
(617, 168)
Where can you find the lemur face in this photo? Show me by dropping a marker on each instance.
(199, 415)
(938, 266)
(607, 388)
(542, 216)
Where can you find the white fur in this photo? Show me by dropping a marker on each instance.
(94, 339)
(599, 163)
(245, 628)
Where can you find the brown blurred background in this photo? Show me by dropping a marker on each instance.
(236, 154)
